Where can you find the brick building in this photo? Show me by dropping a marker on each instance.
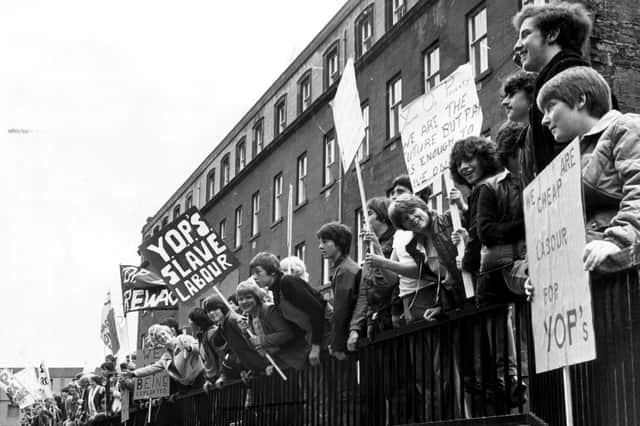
(401, 48)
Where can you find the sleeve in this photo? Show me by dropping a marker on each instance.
(625, 225)
(471, 259)
(209, 358)
(299, 294)
(345, 288)
(154, 368)
(490, 230)
(282, 333)
(359, 316)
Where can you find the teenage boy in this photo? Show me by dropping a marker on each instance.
(517, 96)
(335, 244)
(298, 301)
(550, 39)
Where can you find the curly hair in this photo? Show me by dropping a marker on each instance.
(403, 205)
(519, 81)
(507, 140)
(570, 20)
(339, 233)
(483, 149)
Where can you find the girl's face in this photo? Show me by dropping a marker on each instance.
(470, 170)
(247, 302)
(416, 220)
(216, 316)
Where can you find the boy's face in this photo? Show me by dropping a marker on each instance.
(470, 170)
(416, 220)
(328, 249)
(516, 106)
(564, 122)
(398, 190)
(262, 277)
(216, 315)
(247, 302)
(532, 47)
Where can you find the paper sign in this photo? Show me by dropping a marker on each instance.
(347, 115)
(561, 309)
(189, 256)
(435, 121)
(15, 390)
(154, 386)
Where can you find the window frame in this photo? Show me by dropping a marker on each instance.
(165, 221)
(176, 211)
(188, 201)
(394, 13)
(257, 133)
(328, 172)
(210, 183)
(475, 43)
(241, 154)
(300, 248)
(364, 20)
(301, 189)
(364, 150)
(276, 210)
(255, 213)
(222, 229)
(280, 106)
(237, 229)
(304, 102)
(393, 110)
(332, 51)
(430, 77)
(225, 170)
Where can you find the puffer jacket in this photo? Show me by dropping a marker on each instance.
(610, 156)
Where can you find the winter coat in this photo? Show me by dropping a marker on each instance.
(183, 363)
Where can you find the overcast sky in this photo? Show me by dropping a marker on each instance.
(105, 110)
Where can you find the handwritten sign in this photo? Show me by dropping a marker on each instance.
(435, 121)
(561, 308)
(154, 386)
(189, 255)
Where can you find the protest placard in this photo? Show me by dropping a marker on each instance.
(15, 390)
(154, 386)
(435, 121)
(561, 313)
(189, 256)
(124, 409)
(142, 289)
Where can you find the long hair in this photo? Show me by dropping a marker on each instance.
(483, 149)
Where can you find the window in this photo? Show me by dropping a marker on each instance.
(165, 221)
(176, 212)
(394, 104)
(280, 115)
(478, 47)
(258, 137)
(188, 202)
(535, 2)
(301, 174)
(395, 11)
(431, 68)
(211, 183)
(300, 251)
(328, 173)
(156, 229)
(255, 211)
(357, 235)
(225, 171)
(326, 271)
(237, 235)
(364, 31)
(223, 229)
(363, 150)
(304, 92)
(331, 65)
(241, 155)
(276, 213)
(147, 236)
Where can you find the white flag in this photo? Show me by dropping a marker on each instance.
(347, 115)
(44, 381)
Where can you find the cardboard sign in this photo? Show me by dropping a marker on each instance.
(144, 290)
(189, 256)
(561, 307)
(15, 390)
(154, 386)
(435, 121)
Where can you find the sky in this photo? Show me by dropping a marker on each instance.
(105, 109)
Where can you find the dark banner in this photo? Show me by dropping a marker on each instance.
(189, 256)
(143, 289)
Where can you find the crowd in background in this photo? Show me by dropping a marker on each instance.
(411, 270)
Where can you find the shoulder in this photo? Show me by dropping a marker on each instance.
(348, 266)
(401, 238)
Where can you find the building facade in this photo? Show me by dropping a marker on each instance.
(285, 145)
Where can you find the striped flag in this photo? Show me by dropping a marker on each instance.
(108, 327)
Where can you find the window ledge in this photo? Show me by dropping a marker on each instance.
(277, 222)
(301, 205)
(237, 249)
(391, 141)
(254, 237)
(327, 186)
(486, 73)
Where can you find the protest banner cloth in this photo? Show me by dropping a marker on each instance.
(15, 390)
(561, 311)
(108, 327)
(30, 378)
(435, 121)
(154, 386)
(44, 381)
(189, 256)
(143, 289)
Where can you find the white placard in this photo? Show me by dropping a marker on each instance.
(435, 121)
(154, 386)
(561, 314)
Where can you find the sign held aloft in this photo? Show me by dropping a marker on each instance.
(189, 255)
(435, 121)
(561, 311)
(156, 385)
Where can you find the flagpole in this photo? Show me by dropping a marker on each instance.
(290, 222)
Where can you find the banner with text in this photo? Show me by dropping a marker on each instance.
(561, 307)
(154, 386)
(143, 289)
(189, 256)
(435, 121)
(15, 390)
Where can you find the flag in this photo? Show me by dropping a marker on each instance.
(347, 115)
(44, 381)
(143, 289)
(16, 391)
(108, 327)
